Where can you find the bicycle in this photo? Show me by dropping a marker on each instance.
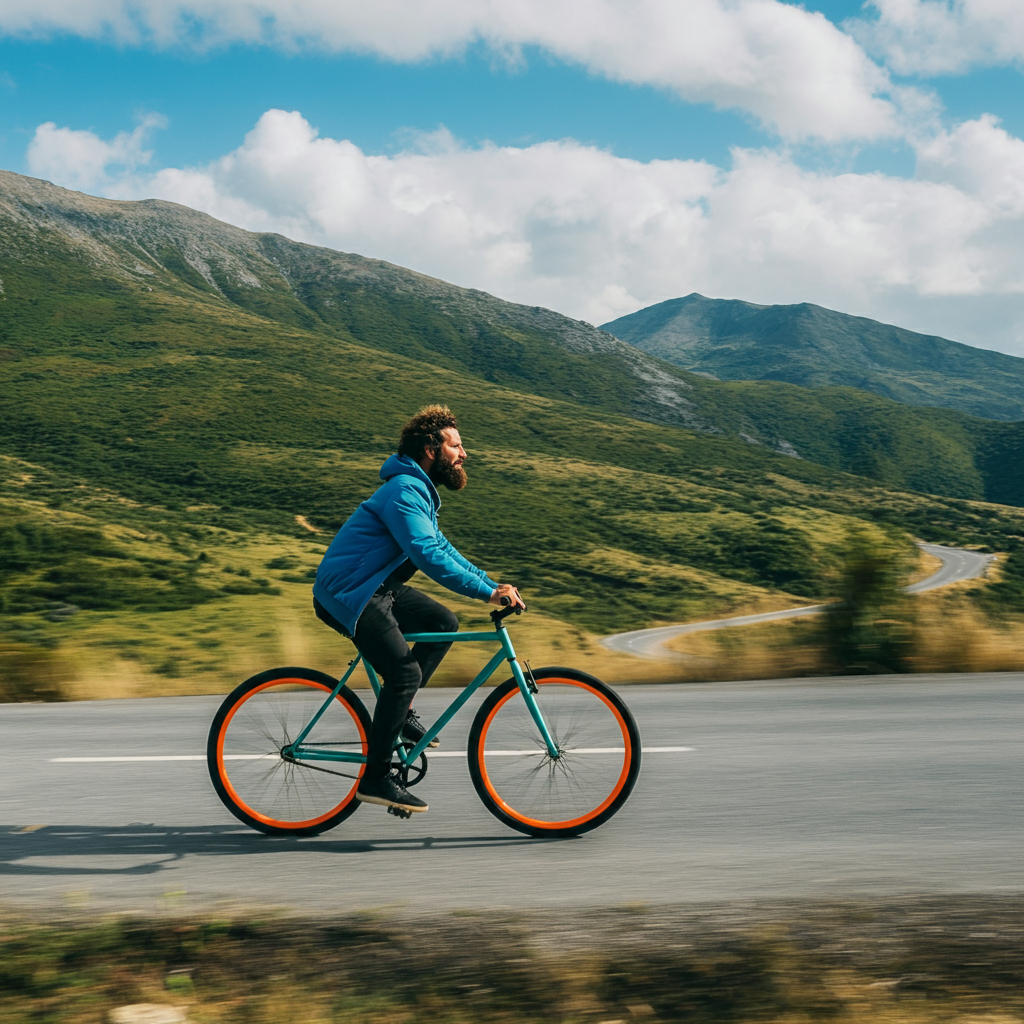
(279, 742)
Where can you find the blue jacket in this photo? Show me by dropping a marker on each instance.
(398, 521)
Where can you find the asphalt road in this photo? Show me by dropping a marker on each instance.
(797, 788)
(958, 565)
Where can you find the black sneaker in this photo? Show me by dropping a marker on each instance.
(413, 731)
(388, 792)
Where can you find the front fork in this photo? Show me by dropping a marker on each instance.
(528, 687)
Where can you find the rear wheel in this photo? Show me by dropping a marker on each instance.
(262, 716)
(597, 766)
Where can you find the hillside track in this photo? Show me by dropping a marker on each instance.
(811, 788)
(958, 565)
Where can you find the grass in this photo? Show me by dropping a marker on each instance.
(949, 633)
(157, 534)
(916, 961)
(248, 604)
(58, 650)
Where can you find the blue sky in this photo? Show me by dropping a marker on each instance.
(869, 162)
(212, 100)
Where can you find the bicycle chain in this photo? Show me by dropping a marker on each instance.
(316, 767)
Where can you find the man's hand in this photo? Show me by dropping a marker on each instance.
(507, 590)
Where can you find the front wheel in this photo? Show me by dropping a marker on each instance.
(244, 752)
(598, 763)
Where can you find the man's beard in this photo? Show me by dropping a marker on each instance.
(446, 473)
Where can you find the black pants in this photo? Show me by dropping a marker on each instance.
(402, 670)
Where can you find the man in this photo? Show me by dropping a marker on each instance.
(360, 587)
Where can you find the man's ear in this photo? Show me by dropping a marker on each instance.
(426, 460)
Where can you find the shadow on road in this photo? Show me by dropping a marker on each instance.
(159, 846)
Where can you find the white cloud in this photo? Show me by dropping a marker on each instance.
(790, 68)
(82, 160)
(593, 235)
(981, 159)
(932, 37)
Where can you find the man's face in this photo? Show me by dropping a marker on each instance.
(448, 459)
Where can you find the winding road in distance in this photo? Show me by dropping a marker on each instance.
(958, 565)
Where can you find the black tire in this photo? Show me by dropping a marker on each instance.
(261, 716)
(521, 785)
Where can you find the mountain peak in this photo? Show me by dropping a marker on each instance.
(814, 346)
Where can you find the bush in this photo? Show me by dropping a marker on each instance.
(110, 586)
(769, 553)
(870, 628)
(29, 674)
(1007, 594)
(26, 545)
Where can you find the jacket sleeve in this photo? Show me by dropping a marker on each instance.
(408, 517)
(463, 561)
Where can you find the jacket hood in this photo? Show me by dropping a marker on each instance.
(402, 465)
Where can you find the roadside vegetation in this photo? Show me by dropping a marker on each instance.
(104, 596)
(949, 630)
(918, 961)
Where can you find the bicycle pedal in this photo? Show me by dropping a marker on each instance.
(399, 812)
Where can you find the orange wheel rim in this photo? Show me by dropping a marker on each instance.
(583, 818)
(226, 782)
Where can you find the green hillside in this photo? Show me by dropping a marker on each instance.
(174, 389)
(81, 272)
(815, 347)
(941, 451)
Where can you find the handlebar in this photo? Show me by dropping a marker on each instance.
(505, 611)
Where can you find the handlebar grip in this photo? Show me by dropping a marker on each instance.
(506, 610)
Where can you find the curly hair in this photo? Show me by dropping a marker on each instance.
(424, 430)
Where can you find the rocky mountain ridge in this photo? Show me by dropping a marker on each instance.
(153, 243)
(91, 281)
(812, 346)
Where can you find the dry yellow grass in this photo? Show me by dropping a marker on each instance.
(926, 566)
(247, 635)
(931, 960)
(773, 650)
(211, 647)
(950, 635)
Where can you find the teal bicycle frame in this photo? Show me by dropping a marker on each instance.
(296, 751)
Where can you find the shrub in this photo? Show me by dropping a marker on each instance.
(29, 674)
(870, 628)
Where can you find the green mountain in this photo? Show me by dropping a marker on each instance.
(166, 375)
(814, 347)
(81, 271)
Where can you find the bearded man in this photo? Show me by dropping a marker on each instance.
(361, 591)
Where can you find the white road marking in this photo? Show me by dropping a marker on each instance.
(666, 750)
(435, 753)
(150, 757)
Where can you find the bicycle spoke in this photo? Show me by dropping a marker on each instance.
(537, 791)
(286, 793)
